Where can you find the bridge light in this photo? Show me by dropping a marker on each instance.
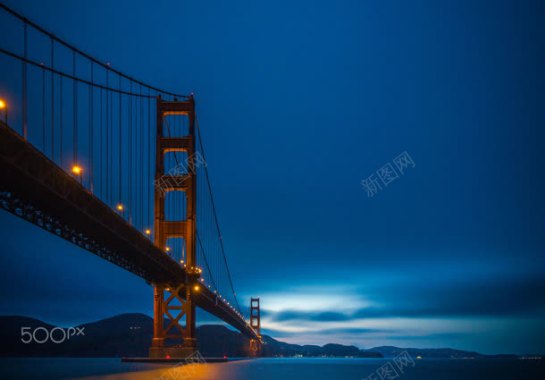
(77, 170)
(167, 249)
(147, 231)
(196, 288)
(120, 207)
(4, 106)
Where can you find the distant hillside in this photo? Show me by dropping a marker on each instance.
(130, 335)
(123, 335)
(273, 347)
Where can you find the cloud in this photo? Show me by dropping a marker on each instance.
(429, 311)
(340, 299)
(323, 316)
(486, 296)
(475, 297)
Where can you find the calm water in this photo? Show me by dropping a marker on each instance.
(269, 369)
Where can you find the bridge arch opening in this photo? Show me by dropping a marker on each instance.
(176, 163)
(176, 124)
(175, 206)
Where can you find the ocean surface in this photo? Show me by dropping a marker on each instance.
(275, 369)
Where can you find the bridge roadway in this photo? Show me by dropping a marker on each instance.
(35, 188)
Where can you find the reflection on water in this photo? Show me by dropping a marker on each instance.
(268, 369)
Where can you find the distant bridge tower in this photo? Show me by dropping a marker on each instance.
(175, 302)
(255, 323)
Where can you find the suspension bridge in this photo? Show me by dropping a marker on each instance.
(117, 167)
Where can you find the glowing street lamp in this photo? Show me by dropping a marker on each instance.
(77, 170)
(167, 249)
(147, 231)
(196, 288)
(4, 106)
(120, 207)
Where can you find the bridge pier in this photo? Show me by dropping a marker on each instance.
(175, 335)
(171, 352)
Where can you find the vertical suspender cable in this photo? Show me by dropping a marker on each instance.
(61, 86)
(25, 111)
(107, 179)
(101, 143)
(75, 106)
(137, 188)
(52, 100)
(148, 183)
(91, 122)
(43, 110)
(111, 154)
(141, 159)
(129, 173)
(136, 182)
(120, 137)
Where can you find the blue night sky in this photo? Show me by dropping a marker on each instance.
(300, 101)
